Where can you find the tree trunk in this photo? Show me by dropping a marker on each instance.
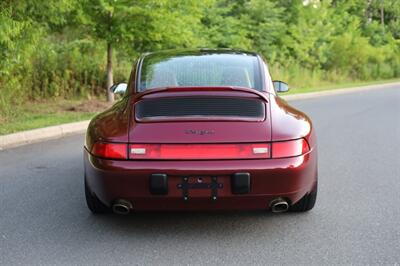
(110, 81)
(368, 13)
(382, 18)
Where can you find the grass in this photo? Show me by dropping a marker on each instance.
(33, 115)
(32, 121)
(49, 113)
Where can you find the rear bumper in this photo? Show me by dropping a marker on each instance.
(290, 178)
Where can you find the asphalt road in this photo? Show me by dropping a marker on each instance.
(44, 219)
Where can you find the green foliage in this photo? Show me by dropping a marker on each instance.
(264, 30)
(58, 48)
(222, 27)
(136, 26)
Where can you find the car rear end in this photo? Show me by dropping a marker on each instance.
(200, 148)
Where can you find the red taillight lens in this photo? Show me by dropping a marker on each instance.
(199, 151)
(110, 150)
(289, 148)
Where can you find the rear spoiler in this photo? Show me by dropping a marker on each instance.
(140, 95)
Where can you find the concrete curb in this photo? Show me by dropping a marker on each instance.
(40, 134)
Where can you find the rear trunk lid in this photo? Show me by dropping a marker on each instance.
(200, 115)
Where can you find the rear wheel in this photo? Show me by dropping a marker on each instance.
(307, 202)
(93, 203)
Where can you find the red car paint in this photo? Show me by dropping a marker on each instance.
(290, 178)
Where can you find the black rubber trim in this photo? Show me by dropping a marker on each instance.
(158, 184)
(240, 183)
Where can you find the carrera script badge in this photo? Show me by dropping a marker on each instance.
(199, 131)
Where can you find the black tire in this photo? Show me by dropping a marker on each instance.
(307, 202)
(93, 203)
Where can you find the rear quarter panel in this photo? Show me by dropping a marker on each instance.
(289, 123)
(110, 126)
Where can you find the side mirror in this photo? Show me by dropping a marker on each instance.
(119, 88)
(280, 86)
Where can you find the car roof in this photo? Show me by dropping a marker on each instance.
(200, 51)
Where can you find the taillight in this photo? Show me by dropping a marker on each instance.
(280, 149)
(110, 150)
(289, 148)
(199, 151)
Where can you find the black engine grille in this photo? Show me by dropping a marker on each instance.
(200, 107)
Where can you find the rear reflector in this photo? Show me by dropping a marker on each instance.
(199, 151)
(138, 150)
(110, 150)
(289, 148)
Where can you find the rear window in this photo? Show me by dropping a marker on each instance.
(202, 69)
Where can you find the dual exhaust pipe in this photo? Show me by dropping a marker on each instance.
(124, 207)
(279, 205)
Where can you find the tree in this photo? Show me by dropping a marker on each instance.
(22, 25)
(223, 27)
(309, 33)
(140, 25)
(265, 27)
(108, 21)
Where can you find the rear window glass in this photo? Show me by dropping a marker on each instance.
(205, 70)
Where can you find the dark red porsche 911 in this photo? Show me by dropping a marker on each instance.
(200, 130)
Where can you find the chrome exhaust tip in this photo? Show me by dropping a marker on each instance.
(123, 207)
(279, 205)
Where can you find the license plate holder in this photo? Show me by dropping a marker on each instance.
(200, 186)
